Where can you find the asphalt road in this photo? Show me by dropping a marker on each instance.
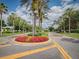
(70, 45)
(12, 49)
(48, 54)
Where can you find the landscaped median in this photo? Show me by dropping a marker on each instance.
(33, 39)
(38, 38)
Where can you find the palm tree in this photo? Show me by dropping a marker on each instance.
(34, 11)
(42, 10)
(36, 7)
(63, 19)
(24, 24)
(19, 22)
(69, 12)
(42, 17)
(3, 9)
(61, 23)
(13, 19)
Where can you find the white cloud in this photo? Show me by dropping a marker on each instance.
(76, 6)
(23, 13)
(54, 14)
(57, 11)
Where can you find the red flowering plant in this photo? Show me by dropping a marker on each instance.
(24, 38)
(39, 39)
(21, 38)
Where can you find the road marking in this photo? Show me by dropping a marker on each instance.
(62, 51)
(2, 46)
(25, 53)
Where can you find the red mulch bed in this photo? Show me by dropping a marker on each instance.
(24, 38)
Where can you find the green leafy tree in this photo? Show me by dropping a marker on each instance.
(69, 12)
(3, 23)
(19, 23)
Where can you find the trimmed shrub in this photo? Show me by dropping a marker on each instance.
(75, 31)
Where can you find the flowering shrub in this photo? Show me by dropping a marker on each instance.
(39, 39)
(31, 38)
(21, 38)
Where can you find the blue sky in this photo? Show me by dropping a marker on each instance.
(12, 4)
(54, 3)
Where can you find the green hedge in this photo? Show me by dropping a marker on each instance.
(38, 34)
(75, 31)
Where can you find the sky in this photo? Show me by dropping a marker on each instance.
(57, 9)
(12, 4)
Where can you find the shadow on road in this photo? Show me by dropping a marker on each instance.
(71, 40)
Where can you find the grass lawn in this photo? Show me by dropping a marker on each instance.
(73, 35)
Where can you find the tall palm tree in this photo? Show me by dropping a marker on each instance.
(3, 9)
(63, 22)
(42, 17)
(33, 4)
(19, 22)
(42, 10)
(69, 12)
(13, 20)
(24, 24)
(36, 7)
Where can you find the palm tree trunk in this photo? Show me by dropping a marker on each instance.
(19, 26)
(40, 20)
(40, 24)
(69, 25)
(13, 26)
(64, 27)
(34, 26)
(39, 11)
(23, 28)
(1, 24)
(34, 23)
(61, 28)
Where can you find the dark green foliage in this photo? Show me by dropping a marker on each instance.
(3, 23)
(75, 31)
(38, 34)
(19, 23)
